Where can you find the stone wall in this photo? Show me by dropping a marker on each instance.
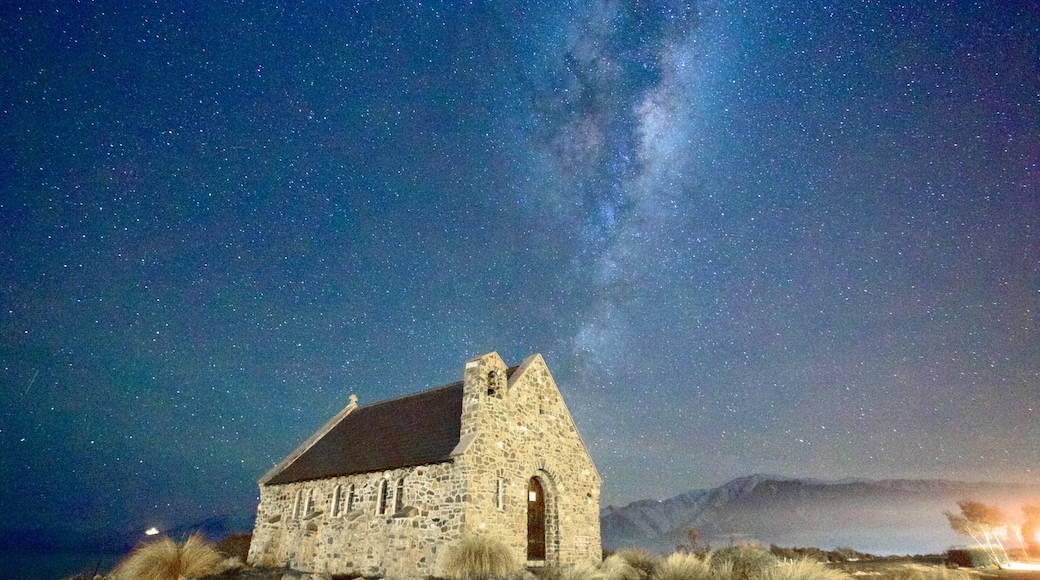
(524, 430)
(512, 430)
(410, 542)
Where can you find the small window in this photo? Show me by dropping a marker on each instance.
(384, 492)
(308, 505)
(350, 497)
(500, 495)
(494, 384)
(337, 498)
(298, 505)
(399, 496)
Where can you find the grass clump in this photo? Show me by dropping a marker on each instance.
(802, 569)
(617, 568)
(165, 560)
(644, 562)
(746, 561)
(479, 557)
(681, 566)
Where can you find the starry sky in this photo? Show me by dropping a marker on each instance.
(793, 237)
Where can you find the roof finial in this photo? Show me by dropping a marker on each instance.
(353, 400)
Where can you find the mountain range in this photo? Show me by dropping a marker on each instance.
(882, 517)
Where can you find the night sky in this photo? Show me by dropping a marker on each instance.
(797, 238)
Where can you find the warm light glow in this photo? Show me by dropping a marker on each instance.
(532, 496)
(1021, 566)
(151, 531)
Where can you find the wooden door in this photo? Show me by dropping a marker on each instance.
(535, 520)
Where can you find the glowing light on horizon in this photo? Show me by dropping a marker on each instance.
(151, 531)
(1021, 566)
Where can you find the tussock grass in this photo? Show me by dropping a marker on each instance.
(802, 569)
(748, 561)
(165, 560)
(644, 562)
(685, 567)
(480, 557)
(617, 568)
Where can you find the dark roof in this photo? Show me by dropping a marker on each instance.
(417, 429)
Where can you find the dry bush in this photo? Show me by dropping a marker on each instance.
(165, 560)
(803, 569)
(680, 566)
(645, 562)
(479, 557)
(617, 568)
(973, 557)
(748, 561)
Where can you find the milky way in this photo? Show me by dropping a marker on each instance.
(794, 239)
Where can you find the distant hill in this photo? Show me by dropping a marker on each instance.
(879, 517)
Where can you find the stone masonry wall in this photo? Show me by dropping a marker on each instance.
(524, 430)
(512, 430)
(409, 543)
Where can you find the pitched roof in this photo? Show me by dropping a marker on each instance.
(417, 429)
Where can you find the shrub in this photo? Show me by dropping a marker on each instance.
(844, 555)
(747, 560)
(803, 569)
(478, 557)
(617, 568)
(165, 560)
(680, 566)
(970, 557)
(644, 562)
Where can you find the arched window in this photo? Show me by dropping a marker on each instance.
(399, 496)
(337, 499)
(298, 505)
(350, 497)
(384, 492)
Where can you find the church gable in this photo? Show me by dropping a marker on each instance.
(525, 445)
(526, 406)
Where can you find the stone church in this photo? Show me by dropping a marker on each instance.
(386, 489)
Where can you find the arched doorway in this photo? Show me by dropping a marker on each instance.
(535, 520)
